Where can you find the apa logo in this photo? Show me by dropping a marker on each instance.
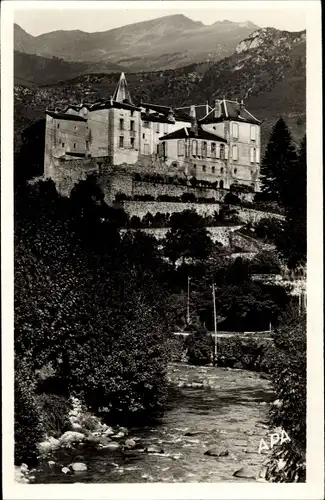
(274, 439)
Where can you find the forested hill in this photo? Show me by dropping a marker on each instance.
(267, 70)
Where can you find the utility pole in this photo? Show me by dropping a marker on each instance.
(215, 325)
(188, 300)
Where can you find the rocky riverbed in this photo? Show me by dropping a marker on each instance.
(210, 432)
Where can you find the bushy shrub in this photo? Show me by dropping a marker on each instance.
(288, 372)
(176, 347)
(232, 199)
(199, 347)
(54, 410)
(188, 198)
(247, 353)
(28, 426)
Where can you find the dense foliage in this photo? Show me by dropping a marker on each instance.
(199, 346)
(28, 427)
(289, 375)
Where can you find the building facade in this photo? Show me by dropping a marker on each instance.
(220, 144)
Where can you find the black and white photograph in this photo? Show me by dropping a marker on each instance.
(159, 247)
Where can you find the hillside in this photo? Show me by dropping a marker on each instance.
(270, 77)
(165, 42)
(30, 69)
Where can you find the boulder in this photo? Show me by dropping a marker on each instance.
(76, 427)
(79, 467)
(154, 449)
(65, 470)
(246, 473)
(119, 435)
(217, 451)
(111, 446)
(70, 437)
(47, 446)
(108, 431)
(278, 403)
(130, 443)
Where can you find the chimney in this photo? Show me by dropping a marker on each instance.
(194, 127)
(241, 106)
(207, 107)
(217, 109)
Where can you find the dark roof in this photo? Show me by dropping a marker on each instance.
(200, 111)
(156, 107)
(66, 116)
(153, 117)
(186, 132)
(231, 110)
(113, 104)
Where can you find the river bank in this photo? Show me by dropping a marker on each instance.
(210, 432)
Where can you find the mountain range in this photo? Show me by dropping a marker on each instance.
(266, 68)
(162, 43)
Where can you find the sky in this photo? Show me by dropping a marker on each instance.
(282, 15)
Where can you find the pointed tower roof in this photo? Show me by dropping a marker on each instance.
(122, 93)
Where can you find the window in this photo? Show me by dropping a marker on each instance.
(257, 155)
(213, 149)
(87, 144)
(143, 136)
(221, 170)
(146, 149)
(132, 142)
(121, 142)
(132, 125)
(157, 128)
(74, 145)
(235, 153)
(146, 124)
(180, 148)
(221, 184)
(63, 144)
(253, 133)
(204, 168)
(194, 148)
(235, 130)
(213, 170)
(204, 149)
(165, 128)
(58, 125)
(222, 151)
(194, 166)
(121, 124)
(235, 171)
(252, 155)
(216, 183)
(75, 127)
(132, 112)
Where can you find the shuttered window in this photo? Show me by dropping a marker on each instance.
(253, 133)
(235, 153)
(252, 155)
(235, 130)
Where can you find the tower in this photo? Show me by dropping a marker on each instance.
(122, 93)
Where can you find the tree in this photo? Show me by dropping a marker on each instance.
(277, 164)
(187, 237)
(293, 242)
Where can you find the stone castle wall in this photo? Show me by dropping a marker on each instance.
(141, 208)
(220, 234)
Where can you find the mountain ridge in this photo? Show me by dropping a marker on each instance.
(144, 45)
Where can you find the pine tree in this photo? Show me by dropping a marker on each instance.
(293, 244)
(279, 157)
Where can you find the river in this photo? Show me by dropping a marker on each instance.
(229, 411)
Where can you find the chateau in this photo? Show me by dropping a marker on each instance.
(218, 144)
